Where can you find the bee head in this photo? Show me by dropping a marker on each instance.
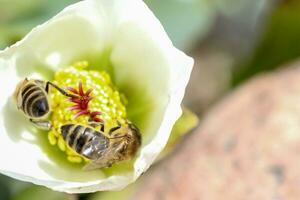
(135, 135)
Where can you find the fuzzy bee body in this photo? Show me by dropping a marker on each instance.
(103, 151)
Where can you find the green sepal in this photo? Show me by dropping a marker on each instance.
(187, 121)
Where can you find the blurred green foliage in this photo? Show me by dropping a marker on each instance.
(11, 189)
(38, 193)
(186, 22)
(5, 192)
(17, 17)
(278, 45)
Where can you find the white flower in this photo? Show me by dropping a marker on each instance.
(123, 33)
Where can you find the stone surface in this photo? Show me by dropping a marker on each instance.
(247, 147)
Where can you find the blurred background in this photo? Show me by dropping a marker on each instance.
(230, 40)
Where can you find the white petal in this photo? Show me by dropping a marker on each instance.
(145, 65)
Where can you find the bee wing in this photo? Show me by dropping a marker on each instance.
(97, 146)
(109, 157)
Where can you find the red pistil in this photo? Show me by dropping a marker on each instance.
(95, 113)
(82, 112)
(73, 90)
(81, 101)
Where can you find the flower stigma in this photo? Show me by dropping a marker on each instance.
(98, 100)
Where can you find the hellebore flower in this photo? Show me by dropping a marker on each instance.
(122, 38)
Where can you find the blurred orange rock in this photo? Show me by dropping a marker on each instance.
(246, 148)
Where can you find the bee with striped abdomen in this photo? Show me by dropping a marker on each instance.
(31, 97)
(121, 143)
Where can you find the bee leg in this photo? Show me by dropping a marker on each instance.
(62, 91)
(42, 124)
(114, 128)
(96, 124)
(102, 127)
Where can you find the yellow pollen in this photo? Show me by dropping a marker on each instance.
(106, 99)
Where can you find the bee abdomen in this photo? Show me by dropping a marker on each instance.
(72, 136)
(40, 107)
(27, 88)
(83, 139)
(76, 136)
(35, 102)
(66, 129)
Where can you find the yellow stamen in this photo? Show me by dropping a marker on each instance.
(106, 99)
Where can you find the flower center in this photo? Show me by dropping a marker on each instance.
(95, 99)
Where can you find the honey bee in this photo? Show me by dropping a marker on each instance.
(31, 97)
(121, 143)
